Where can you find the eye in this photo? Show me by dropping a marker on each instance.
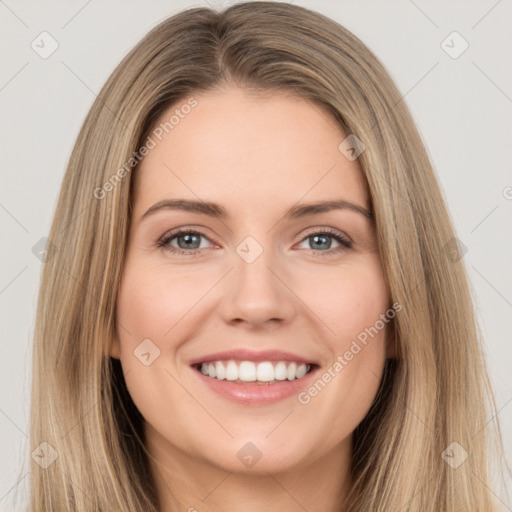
(321, 241)
(183, 241)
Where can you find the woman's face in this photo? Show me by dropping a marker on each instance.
(259, 285)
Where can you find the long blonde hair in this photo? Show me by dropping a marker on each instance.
(435, 392)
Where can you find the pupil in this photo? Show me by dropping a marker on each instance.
(325, 242)
(190, 240)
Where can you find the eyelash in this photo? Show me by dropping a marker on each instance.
(163, 242)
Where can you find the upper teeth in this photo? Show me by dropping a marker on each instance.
(250, 372)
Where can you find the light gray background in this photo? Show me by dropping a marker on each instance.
(462, 107)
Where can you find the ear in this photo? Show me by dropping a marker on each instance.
(391, 341)
(115, 348)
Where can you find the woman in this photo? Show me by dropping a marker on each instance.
(197, 351)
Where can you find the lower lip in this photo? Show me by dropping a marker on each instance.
(251, 394)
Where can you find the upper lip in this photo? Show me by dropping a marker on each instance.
(243, 354)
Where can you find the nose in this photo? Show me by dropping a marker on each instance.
(257, 294)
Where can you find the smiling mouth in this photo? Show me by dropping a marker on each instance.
(256, 373)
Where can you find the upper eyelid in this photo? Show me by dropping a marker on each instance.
(168, 235)
(327, 230)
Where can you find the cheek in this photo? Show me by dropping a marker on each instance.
(344, 391)
(352, 302)
(151, 305)
(153, 301)
(348, 300)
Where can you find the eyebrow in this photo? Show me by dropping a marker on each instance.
(217, 211)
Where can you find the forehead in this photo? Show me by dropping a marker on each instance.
(248, 149)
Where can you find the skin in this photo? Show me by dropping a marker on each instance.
(256, 156)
